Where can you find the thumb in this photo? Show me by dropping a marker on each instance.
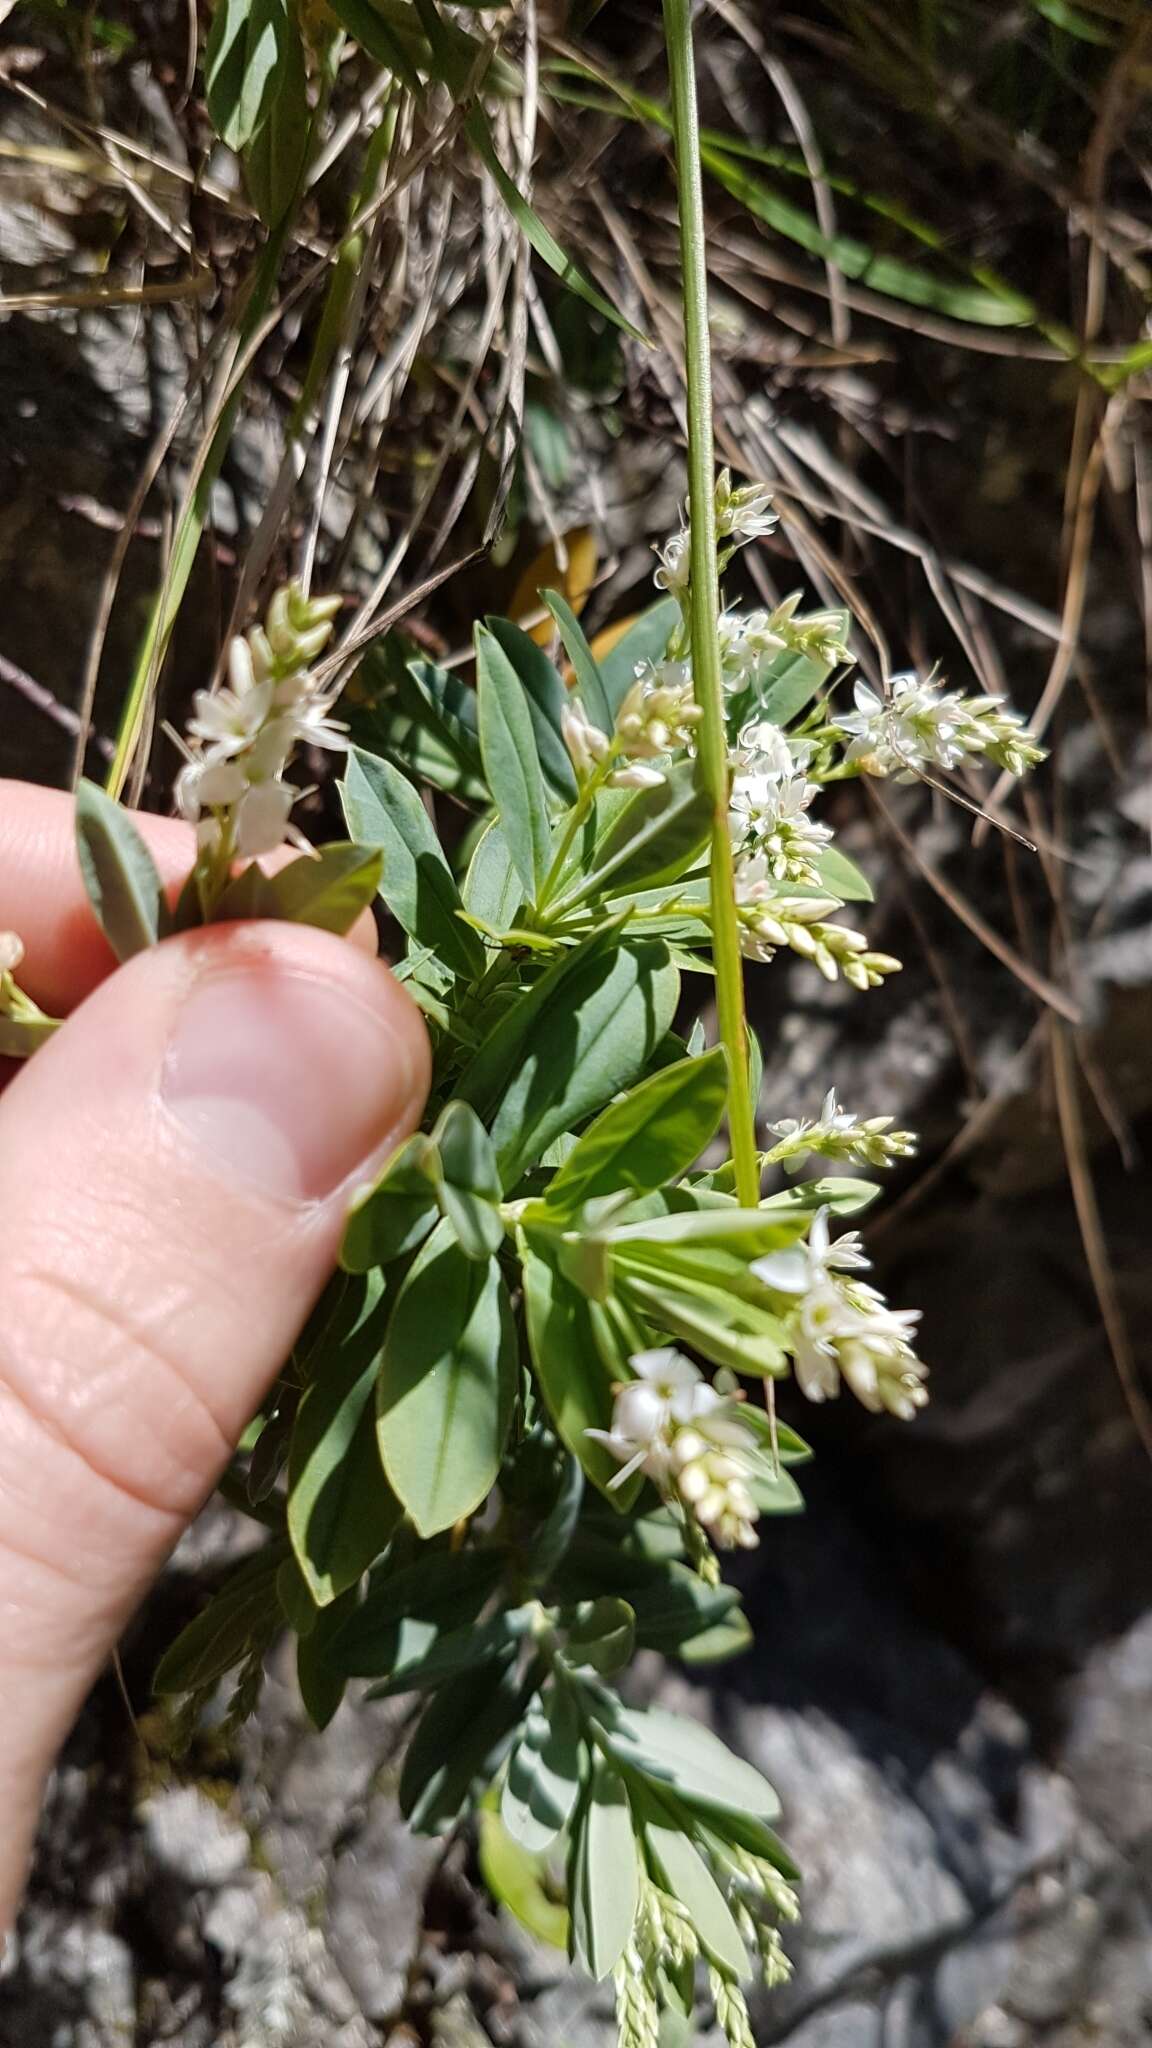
(174, 1171)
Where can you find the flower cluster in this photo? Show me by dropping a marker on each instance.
(769, 920)
(840, 1328)
(769, 805)
(917, 726)
(748, 640)
(836, 1134)
(689, 1440)
(233, 784)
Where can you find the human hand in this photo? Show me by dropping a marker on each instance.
(174, 1172)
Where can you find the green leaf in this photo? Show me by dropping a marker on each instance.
(519, 1880)
(341, 1510)
(383, 809)
(393, 1217)
(512, 761)
(791, 681)
(546, 697)
(649, 1138)
(452, 704)
(382, 39)
(690, 1760)
(573, 1378)
(730, 1332)
(468, 1180)
(318, 1675)
(544, 1770)
(589, 681)
(841, 877)
(604, 1875)
(492, 888)
(594, 1036)
(119, 874)
(239, 1618)
(688, 1878)
(275, 158)
(440, 1590)
(461, 1738)
(646, 640)
(601, 1635)
(447, 1381)
(426, 1656)
(240, 60)
(534, 231)
(655, 838)
(329, 889)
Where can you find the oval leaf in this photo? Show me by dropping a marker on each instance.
(649, 1138)
(383, 809)
(447, 1380)
(119, 874)
(341, 1510)
(604, 1879)
(512, 761)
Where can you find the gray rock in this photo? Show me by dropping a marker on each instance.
(190, 1837)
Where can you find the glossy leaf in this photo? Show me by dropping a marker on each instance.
(447, 1381)
(396, 1215)
(546, 697)
(383, 809)
(595, 1036)
(119, 874)
(604, 1878)
(468, 1180)
(543, 1781)
(512, 761)
(341, 1510)
(652, 1136)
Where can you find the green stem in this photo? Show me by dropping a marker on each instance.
(707, 678)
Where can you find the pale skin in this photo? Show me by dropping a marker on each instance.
(175, 1168)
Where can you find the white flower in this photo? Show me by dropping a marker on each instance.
(687, 1437)
(226, 722)
(11, 952)
(841, 1328)
(232, 786)
(836, 1134)
(262, 818)
(675, 565)
(744, 514)
(638, 775)
(585, 742)
(918, 725)
(659, 713)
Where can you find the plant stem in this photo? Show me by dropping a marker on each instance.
(707, 678)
